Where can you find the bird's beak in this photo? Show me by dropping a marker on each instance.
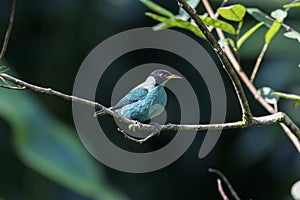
(173, 76)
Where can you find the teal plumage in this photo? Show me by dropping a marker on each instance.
(145, 101)
(148, 107)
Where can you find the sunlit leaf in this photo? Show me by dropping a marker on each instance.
(246, 35)
(159, 18)
(293, 97)
(287, 96)
(177, 23)
(272, 32)
(296, 104)
(50, 147)
(260, 16)
(267, 94)
(162, 25)
(234, 13)
(183, 15)
(292, 5)
(295, 190)
(157, 8)
(279, 15)
(293, 35)
(216, 23)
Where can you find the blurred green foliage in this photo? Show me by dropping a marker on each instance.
(50, 147)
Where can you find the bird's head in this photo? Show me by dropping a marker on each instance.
(162, 76)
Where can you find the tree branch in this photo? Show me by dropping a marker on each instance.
(247, 115)
(221, 191)
(226, 181)
(8, 31)
(254, 122)
(248, 119)
(246, 80)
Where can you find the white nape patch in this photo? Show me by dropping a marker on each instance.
(148, 84)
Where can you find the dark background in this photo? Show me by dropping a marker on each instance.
(50, 39)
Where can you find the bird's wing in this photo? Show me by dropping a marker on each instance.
(133, 96)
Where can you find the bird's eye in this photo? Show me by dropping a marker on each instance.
(162, 76)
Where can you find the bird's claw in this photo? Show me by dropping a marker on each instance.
(134, 125)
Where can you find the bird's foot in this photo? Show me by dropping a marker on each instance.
(134, 125)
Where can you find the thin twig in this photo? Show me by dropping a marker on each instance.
(247, 115)
(221, 191)
(246, 80)
(12, 87)
(221, 5)
(224, 3)
(141, 141)
(8, 31)
(233, 193)
(258, 61)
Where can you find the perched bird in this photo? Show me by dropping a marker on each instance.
(146, 100)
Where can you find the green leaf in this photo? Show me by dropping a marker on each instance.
(260, 16)
(279, 15)
(287, 96)
(293, 35)
(234, 13)
(267, 94)
(159, 18)
(292, 5)
(246, 35)
(272, 32)
(183, 15)
(296, 104)
(177, 23)
(295, 190)
(164, 22)
(50, 147)
(157, 8)
(216, 23)
(162, 25)
(293, 97)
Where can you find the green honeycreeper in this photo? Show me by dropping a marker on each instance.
(145, 101)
